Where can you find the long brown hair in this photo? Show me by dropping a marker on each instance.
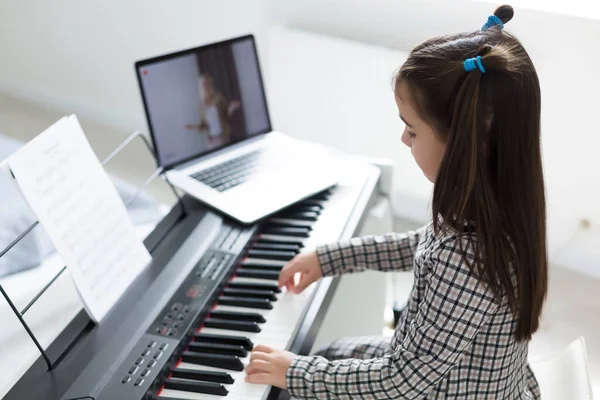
(490, 179)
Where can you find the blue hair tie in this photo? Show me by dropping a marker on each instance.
(471, 63)
(492, 20)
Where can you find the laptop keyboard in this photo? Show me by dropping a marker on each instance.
(230, 173)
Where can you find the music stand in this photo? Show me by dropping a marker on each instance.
(51, 364)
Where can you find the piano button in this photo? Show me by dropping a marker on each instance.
(215, 348)
(163, 346)
(238, 316)
(145, 352)
(245, 302)
(272, 238)
(276, 246)
(151, 363)
(139, 361)
(126, 379)
(177, 307)
(158, 355)
(287, 231)
(202, 375)
(151, 344)
(213, 360)
(224, 339)
(244, 326)
(257, 273)
(186, 309)
(259, 294)
(254, 286)
(195, 386)
(145, 372)
(133, 370)
(138, 382)
(271, 254)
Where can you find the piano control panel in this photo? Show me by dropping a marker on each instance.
(178, 321)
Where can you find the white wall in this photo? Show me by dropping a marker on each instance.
(564, 51)
(79, 55)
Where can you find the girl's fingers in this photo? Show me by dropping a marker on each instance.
(260, 378)
(262, 348)
(287, 274)
(258, 366)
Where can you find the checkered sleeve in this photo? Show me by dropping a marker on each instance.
(455, 306)
(392, 251)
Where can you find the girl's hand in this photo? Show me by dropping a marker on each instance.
(268, 366)
(307, 264)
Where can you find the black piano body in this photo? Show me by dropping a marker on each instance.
(195, 253)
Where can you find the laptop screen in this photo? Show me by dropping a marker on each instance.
(203, 99)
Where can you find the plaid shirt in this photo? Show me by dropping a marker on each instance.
(452, 341)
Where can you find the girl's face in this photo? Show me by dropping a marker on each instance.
(425, 145)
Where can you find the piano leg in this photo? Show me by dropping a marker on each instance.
(357, 308)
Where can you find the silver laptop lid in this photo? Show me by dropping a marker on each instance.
(203, 99)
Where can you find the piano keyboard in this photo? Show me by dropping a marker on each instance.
(252, 310)
(190, 334)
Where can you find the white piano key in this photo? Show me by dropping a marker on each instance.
(179, 394)
(242, 279)
(253, 336)
(262, 261)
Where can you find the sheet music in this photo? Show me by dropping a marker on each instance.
(80, 209)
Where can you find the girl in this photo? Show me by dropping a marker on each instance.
(471, 106)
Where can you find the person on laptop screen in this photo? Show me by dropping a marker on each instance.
(215, 113)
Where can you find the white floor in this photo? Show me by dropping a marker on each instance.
(572, 309)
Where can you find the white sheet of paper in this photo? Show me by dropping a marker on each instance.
(80, 209)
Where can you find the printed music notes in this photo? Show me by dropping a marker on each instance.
(80, 209)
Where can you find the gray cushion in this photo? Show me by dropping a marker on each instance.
(16, 216)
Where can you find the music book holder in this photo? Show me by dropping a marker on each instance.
(19, 314)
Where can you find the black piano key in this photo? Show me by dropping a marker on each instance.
(286, 231)
(263, 304)
(224, 339)
(258, 274)
(298, 208)
(272, 254)
(238, 316)
(323, 195)
(187, 385)
(311, 202)
(267, 240)
(217, 348)
(263, 267)
(243, 326)
(199, 375)
(223, 361)
(305, 214)
(259, 294)
(260, 245)
(255, 286)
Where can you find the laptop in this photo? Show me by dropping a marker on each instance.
(208, 118)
